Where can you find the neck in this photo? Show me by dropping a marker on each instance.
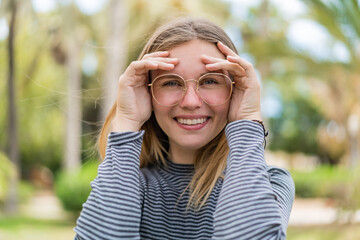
(181, 155)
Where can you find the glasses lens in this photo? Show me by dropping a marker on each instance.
(215, 88)
(168, 89)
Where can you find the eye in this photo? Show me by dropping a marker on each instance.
(171, 83)
(210, 81)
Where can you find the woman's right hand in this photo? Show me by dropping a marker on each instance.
(133, 104)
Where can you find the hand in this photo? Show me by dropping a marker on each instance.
(245, 100)
(133, 104)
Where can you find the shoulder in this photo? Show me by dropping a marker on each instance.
(281, 177)
(274, 170)
(278, 172)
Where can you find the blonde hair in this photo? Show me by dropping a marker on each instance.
(210, 160)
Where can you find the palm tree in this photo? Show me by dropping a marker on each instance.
(116, 51)
(72, 156)
(333, 85)
(11, 206)
(342, 21)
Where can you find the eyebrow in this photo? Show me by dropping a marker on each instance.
(200, 75)
(217, 71)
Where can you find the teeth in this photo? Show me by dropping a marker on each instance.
(191, 121)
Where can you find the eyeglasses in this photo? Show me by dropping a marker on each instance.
(169, 89)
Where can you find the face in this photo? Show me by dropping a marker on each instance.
(191, 124)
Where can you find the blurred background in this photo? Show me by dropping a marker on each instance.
(59, 65)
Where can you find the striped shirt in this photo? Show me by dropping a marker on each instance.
(253, 201)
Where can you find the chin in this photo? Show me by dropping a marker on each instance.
(191, 145)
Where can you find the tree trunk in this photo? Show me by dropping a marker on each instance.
(262, 32)
(353, 130)
(116, 53)
(73, 115)
(11, 202)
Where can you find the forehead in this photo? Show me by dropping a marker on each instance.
(189, 54)
(194, 49)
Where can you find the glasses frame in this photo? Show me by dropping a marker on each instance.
(186, 87)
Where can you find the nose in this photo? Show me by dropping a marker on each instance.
(191, 98)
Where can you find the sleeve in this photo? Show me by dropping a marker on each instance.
(255, 201)
(113, 208)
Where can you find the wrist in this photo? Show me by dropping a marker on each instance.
(252, 117)
(266, 132)
(121, 124)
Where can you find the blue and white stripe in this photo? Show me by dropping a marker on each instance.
(253, 201)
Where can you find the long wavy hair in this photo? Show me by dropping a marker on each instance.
(210, 160)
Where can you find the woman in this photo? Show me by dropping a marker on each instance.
(184, 154)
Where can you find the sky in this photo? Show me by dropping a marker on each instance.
(86, 6)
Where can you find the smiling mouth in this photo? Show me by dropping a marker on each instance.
(191, 121)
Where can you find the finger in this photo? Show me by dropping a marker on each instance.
(234, 68)
(166, 60)
(208, 59)
(156, 54)
(247, 66)
(143, 66)
(139, 79)
(155, 65)
(226, 50)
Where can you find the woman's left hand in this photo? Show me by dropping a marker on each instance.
(245, 100)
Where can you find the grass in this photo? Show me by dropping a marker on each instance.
(328, 232)
(31, 229)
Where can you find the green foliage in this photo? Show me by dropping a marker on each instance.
(73, 188)
(323, 182)
(40, 89)
(321, 232)
(349, 202)
(26, 191)
(26, 228)
(7, 171)
(339, 184)
(295, 129)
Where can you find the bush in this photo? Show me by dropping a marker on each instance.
(337, 183)
(25, 191)
(323, 182)
(349, 202)
(7, 171)
(73, 188)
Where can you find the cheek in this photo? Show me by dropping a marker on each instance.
(161, 114)
(222, 112)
